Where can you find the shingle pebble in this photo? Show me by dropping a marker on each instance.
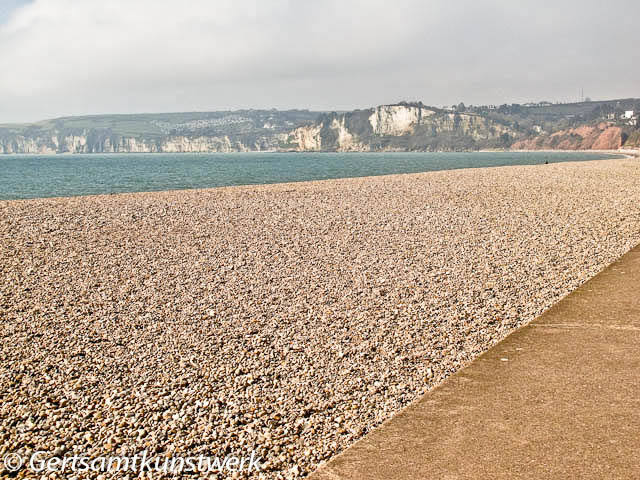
(290, 319)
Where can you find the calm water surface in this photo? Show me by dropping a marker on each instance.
(35, 176)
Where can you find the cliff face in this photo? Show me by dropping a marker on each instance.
(397, 120)
(584, 137)
(633, 141)
(89, 142)
(400, 128)
(307, 138)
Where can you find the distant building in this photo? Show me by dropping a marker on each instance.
(628, 114)
(538, 104)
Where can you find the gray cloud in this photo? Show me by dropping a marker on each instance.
(70, 57)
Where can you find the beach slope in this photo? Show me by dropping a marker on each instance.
(290, 318)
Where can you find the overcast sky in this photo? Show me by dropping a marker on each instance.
(73, 57)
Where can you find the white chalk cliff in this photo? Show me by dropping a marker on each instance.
(399, 127)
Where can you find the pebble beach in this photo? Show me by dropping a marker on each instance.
(286, 319)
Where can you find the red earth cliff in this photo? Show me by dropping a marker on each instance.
(584, 137)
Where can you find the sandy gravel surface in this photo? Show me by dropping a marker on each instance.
(287, 318)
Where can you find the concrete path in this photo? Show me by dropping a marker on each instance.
(559, 398)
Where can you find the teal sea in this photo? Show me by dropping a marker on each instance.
(37, 176)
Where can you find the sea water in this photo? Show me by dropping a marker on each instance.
(35, 176)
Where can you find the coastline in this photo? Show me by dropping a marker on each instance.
(633, 151)
(629, 152)
(292, 316)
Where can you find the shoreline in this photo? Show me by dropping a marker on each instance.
(622, 151)
(635, 151)
(293, 317)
